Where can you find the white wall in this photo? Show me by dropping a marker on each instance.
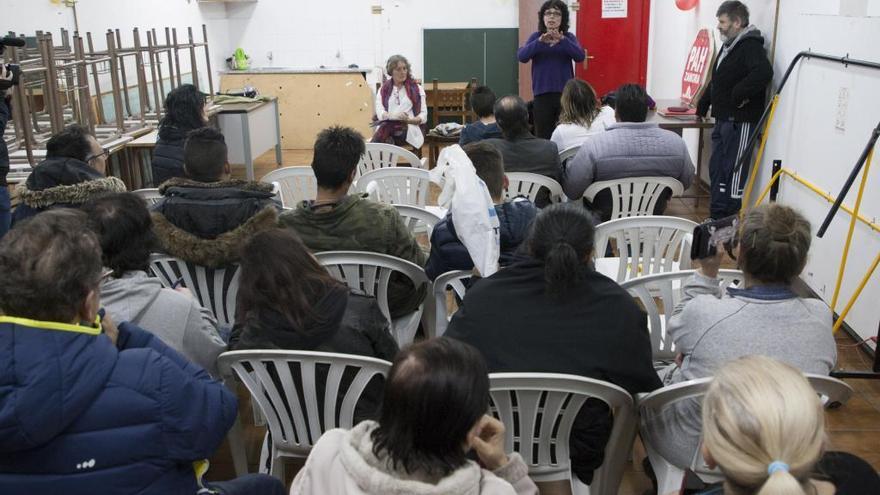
(804, 135)
(307, 35)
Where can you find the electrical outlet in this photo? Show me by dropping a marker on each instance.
(842, 104)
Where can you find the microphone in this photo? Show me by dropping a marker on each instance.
(10, 41)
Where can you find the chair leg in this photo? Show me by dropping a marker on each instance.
(236, 445)
(277, 469)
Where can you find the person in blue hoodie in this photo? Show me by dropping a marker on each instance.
(87, 407)
(515, 216)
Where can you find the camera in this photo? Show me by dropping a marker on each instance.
(708, 235)
(13, 69)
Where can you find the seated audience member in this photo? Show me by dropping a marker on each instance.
(629, 148)
(71, 174)
(184, 112)
(206, 217)
(130, 294)
(765, 316)
(763, 426)
(401, 107)
(522, 151)
(482, 103)
(338, 221)
(86, 406)
(287, 300)
(433, 414)
(514, 216)
(581, 115)
(553, 313)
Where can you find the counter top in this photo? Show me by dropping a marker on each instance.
(296, 70)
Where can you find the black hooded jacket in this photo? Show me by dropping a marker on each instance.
(350, 323)
(168, 154)
(737, 88)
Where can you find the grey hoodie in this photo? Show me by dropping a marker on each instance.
(180, 321)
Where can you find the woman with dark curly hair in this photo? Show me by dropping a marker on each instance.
(551, 50)
(184, 112)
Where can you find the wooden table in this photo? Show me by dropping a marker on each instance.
(678, 125)
(250, 130)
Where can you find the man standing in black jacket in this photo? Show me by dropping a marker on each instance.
(736, 93)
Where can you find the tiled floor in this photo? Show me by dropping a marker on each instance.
(854, 427)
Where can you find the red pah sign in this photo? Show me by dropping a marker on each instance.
(696, 70)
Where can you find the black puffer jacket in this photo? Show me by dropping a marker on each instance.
(5, 115)
(738, 85)
(350, 323)
(207, 222)
(448, 253)
(168, 154)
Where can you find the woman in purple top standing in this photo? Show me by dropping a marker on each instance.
(551, 49)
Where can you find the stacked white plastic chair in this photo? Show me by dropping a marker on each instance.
(381, 155)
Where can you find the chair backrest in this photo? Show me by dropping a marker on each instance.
(647, 245)
(446, 102)
(659, 295)
(538, 411)
(297, 411)
(371, 273)
(634, 196)
(382, 155)
(528, 184)
(450, 280)
(568, 153)
(417, 220)
(397, 185)
(150, 195)
(294, 184)
(214, 288)
(832, 391)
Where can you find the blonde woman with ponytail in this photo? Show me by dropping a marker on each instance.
(763, 426)
(764, 315)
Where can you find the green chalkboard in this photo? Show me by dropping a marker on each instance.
(460, 54)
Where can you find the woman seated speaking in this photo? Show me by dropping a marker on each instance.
(400, 106)
(433, 413)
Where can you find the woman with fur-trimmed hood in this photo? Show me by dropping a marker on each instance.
(206, 217)
(71, 174)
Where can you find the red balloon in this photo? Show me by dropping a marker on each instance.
(686, 4)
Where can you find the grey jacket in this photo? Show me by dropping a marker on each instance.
(180, 321)
(628, 149)
(530, 154)
(710, 328)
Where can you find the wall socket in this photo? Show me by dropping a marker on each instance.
(842, 104)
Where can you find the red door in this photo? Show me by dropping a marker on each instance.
(617, 47)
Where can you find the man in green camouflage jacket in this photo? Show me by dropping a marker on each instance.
(338, 221)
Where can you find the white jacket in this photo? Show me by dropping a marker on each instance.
(342, 462)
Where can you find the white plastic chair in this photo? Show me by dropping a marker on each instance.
(214, 288)
(383, 155)
(397, 185)
(834, 393)
(294, 184)
(370, 273)
(538, 411)
(528, 184)
(659, 295)
(150, 195)
(268, 377)
(644, 246)
(450, 280)
(568, 153)
(634, 196)
(417, 220)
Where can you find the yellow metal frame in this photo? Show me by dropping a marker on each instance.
(854, 214)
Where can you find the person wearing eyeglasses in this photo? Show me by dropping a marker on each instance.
(72, 173)
(551, 49)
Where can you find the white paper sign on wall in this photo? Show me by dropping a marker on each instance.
(614, 9)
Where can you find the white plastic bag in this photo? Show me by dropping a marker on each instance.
(473, 212)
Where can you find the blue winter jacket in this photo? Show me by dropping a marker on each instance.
(448, 253)
(79, 415)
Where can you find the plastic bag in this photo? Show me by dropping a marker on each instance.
(467, 197)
